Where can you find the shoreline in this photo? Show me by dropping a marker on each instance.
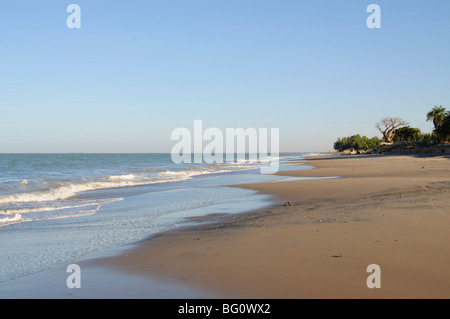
(385, 210)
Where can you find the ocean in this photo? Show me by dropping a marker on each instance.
(59, 208)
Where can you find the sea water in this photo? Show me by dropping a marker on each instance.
(57, 208)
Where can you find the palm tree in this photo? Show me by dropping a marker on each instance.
(443, 130)
(437, 115)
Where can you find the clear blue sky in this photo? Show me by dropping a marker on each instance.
(138, 69)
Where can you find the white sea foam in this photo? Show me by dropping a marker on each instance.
(61, 191)
(53, 212)
(10, 220)
(19, 219)
(67, 190)
(23, 211)
(181, 175)
(122, 177)
(64, 191)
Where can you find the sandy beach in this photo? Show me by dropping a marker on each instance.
(392, 211)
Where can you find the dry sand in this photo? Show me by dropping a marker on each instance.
(392, 211)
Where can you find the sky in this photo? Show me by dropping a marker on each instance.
(137, 70)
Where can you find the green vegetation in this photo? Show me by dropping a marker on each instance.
(357, 142)
(395, 130)
(437, 115)
(443, 130)
(408, 134)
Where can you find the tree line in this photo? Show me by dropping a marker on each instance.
(394, 129)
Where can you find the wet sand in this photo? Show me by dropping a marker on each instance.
(392, 211)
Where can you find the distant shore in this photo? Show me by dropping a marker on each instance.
(386, 210)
